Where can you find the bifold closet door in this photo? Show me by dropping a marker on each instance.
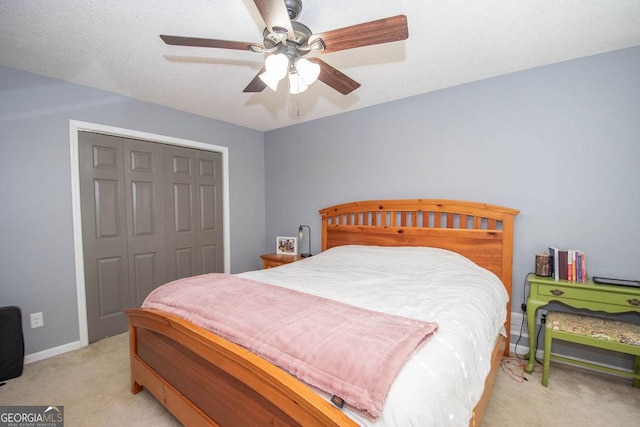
(193, 212)
(146, 247)
(104, 233)
(151, 213)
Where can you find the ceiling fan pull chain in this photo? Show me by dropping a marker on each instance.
(294, 105)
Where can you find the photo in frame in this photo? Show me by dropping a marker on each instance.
(286, 245)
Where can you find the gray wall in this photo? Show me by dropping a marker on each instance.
(561, 143)
(37, 270)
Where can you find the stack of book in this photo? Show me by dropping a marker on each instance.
(569, 265)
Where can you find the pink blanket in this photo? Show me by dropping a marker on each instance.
(341, 349)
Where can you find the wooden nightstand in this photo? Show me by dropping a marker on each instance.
(275, 260)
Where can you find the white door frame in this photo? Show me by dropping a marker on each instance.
(77, 126)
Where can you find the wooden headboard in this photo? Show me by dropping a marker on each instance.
(481, 232)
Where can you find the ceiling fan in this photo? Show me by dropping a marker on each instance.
(287, 41)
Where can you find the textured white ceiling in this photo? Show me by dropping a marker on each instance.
(114, 45)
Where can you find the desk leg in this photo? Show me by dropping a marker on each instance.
(532, 308)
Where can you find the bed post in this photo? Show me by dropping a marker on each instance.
(324, 230)
(507, 270)
(133, 351)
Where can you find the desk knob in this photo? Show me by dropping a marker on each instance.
(635, 302)
(556, 292)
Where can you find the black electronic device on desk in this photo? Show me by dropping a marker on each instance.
(616, 282)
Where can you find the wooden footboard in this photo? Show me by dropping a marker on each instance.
(203, 379)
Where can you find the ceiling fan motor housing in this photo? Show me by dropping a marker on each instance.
(300, 37)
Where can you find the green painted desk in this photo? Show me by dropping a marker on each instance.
(589, 295)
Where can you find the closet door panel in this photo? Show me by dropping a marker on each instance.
(144, 176)
(179, 211)
(209, 236)
(104, 233)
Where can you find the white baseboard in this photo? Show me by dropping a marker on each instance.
(519, 329)
(523, 349)
(45, 354)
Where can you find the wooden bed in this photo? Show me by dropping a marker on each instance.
(203, 379)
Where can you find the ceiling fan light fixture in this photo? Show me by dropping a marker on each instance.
(277, 64)
(276, 69)
(308, 71)
(270, 79)
(296, 85)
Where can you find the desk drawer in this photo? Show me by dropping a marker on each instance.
(599, 296)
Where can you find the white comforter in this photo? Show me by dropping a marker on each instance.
(444, 380)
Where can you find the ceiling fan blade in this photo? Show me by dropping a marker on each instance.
(256, 85)
(198, 42)
(275, 15)
(369, 33)
(334, 78)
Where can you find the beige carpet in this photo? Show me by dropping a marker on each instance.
(575, 397)
(93, 386)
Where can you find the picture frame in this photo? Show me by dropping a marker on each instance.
(286, 245)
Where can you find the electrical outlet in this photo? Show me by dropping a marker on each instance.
(541, 312)
(37, 320)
